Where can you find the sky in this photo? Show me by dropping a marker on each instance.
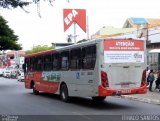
(34, 30)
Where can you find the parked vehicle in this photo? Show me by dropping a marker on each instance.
(7, 72)
(10, 72)
(1, 70)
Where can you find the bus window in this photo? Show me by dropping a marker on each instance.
(32, 64)
(35, 63)
(56, 62)
(65, 60)
(47, 62)
(26, 65)
(89, 57)
(75, 59)
(39, 63)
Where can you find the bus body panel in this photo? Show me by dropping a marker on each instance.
(125, 78)
(117, 92)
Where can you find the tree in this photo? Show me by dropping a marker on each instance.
(40, 48)
(8, 40)
(13, 3)
(20, 3)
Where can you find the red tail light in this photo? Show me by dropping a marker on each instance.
(104, 79)
(143, 80)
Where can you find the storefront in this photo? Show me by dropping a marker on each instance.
(153, 59)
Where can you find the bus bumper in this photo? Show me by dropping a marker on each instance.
(111, 92)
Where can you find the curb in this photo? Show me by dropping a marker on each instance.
(141, 99)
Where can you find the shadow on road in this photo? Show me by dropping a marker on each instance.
(88, 102)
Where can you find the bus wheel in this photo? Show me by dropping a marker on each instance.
(64, 93)
(34, 90)
(98, 99)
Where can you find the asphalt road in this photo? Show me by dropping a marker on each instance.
(15, 100)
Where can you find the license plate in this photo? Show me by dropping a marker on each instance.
(126, 91)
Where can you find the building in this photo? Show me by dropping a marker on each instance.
(16, 57)
(138, 22)
(142, 28)
(109, 31)
(133, 28)
(149, 29)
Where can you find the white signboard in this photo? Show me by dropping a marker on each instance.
(123, 57)
(124, 51)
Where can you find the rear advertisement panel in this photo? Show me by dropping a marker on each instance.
(124, 51)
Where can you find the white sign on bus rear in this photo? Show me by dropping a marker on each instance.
(124, 51)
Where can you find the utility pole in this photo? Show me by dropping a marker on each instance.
(147, 33)
(74, 33)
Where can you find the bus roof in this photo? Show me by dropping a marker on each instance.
(60, 49)
(39, 53)
(74, 46)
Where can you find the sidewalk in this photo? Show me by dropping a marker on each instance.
(149, 97)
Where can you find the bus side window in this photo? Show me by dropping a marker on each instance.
(89, 57)
(47, 62)
(28, 64)
(75, 59)
(31, 63)
(25, 65)
(56, 62)
(35, 64)
(65, 60)
(39, 63)
(50, 62)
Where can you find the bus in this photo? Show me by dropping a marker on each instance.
(96, 69)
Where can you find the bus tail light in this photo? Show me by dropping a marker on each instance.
(104, 79)
(143, 80)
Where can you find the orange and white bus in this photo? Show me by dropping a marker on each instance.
(97, 69)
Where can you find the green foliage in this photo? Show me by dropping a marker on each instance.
(39, 48)
(19, 3)
(13, 3)
(8, 40)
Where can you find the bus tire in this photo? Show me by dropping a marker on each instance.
(64, 93)
(99, 99)
(35, 92)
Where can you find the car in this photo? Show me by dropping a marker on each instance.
(20, 75)
(7, 72)
(1, 70)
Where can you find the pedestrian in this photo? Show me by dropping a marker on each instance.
(147, 71)
(158, 82)
(150, 79)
